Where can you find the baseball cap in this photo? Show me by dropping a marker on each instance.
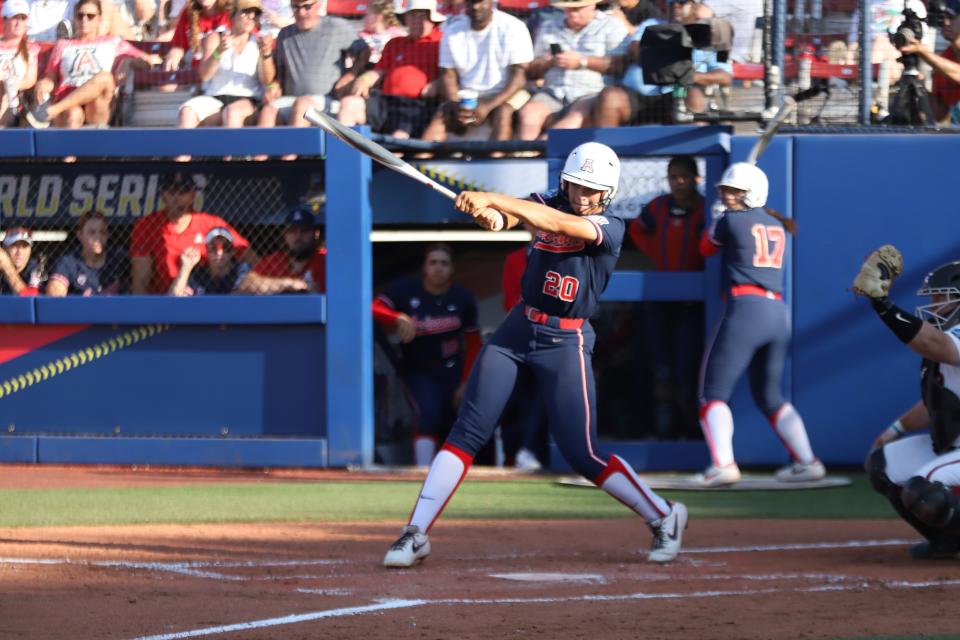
(15, 8)
(219, 233)
(300, 217)
(402, 6)
(17, 234)
(243, 5)
(572, 4)
(952, 7)
(183, 181)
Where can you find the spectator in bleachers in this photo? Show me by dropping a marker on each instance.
(633, 13)
(127, 19)
(50, 19)
(742, 16)
(18, 60)
(276, 15)
(485, 51)
(306, 65)
(219, 273)
(91, 270)
(436, 321)
(573, 54)
(22, 272)
(380, 26)
(159, 239)
(668, 231)
(299, 268)
(407, 76)
(232, 73)
(77, 87)
(198, 20)
(945, 96)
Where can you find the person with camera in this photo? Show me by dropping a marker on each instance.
(946, 64)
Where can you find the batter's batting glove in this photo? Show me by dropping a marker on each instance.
(878, 272)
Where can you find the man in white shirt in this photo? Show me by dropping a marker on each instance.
(484, 51)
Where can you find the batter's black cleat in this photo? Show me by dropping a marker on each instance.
(943, 549)
(409, 549)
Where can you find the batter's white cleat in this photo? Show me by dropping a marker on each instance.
(668, 534)
(714, 476)
(409, 549)
(799, 472)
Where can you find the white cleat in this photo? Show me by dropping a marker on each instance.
(668, 534)
(526, 462)
(409, 549)
(799, 472)
(714, 476)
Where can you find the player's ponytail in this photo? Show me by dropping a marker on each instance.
(23, 51)
(788, 223)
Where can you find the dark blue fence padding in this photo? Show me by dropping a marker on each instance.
(651, 286)
(169, 143)
(852, 377)
(17, 310)
(18, 450)
(16, 143)
(168, 380)
(220, 452)
(199, 310)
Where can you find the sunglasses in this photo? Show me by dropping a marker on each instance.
(251, 13)
(306, 6)
(87, 16)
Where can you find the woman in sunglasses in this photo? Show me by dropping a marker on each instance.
(77, 86)
(232, 73)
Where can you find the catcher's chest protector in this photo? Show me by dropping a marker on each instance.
(942, 404)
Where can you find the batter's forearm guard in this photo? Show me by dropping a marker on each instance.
(904, 324)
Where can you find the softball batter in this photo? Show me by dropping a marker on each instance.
(548, 339)
(754, 333)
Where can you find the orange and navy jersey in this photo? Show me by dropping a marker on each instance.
(565, 276)
(754, 247)
(669, 234)
(441, 321)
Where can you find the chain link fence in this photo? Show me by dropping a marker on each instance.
(42, 204)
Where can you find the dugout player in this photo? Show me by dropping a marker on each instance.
(547, 338)
(436, 320)
(91, 270)
(920, 475)
(754, 333)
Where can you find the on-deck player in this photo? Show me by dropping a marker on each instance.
(920, 475)
(547, 337)
(754, 332)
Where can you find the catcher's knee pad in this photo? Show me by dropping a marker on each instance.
(931, 502)
(876, 466)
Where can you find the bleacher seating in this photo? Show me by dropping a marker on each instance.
(141, 105)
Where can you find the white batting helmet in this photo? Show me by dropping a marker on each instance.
(749, 178)
(593, 165)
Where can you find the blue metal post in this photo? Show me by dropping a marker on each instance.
(866, 65)
(349, 296)
(779, 43)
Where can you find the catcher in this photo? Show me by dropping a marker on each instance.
(919, 474)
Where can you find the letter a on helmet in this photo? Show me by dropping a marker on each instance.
(593, 165)
(749, 178)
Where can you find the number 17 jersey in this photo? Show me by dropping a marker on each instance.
(565, 276)
(754, 245)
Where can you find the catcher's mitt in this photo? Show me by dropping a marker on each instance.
(878, 272)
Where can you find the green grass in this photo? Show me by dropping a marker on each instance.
(343, 501)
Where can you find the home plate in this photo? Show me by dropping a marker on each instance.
(749, 482)
(590, 578)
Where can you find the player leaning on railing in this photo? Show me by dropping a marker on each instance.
(920, 474)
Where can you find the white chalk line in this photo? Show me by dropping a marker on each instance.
(399, 604)
(194, 569)
(801, 546)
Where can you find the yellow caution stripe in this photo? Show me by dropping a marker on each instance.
(451, 179)
(79, 358)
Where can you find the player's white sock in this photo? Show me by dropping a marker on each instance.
(716, 420)
(424, 448)
(446, 473)
(621, 482)
(789, 426)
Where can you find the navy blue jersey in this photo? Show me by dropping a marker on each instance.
(440, 321)
(82, 279)
(32, 276)
(754, 248)
(565, 276)
(202, 281)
